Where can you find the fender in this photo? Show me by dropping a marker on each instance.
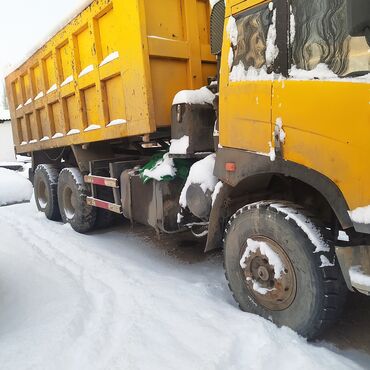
(248, 165)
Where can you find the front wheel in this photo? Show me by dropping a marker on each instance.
(280, 266)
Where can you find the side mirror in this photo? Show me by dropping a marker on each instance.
(358, 18)
(217, 27)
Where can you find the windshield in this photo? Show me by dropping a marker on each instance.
(319, 34)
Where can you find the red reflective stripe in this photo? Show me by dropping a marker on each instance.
(101, 204)
(98, 181)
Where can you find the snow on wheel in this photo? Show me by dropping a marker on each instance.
(45, 188)
(274, 257)
(72, 192)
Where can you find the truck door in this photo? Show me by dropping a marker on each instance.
(245, 83)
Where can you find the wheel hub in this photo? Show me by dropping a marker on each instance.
(275, 290)
(69, 202)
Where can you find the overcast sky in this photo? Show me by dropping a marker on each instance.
(26, 24)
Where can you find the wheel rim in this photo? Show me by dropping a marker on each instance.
(69, 203)
(272, 292)
(42, 197)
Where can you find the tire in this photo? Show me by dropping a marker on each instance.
(46, 191)
(304, 289)
(72, 193)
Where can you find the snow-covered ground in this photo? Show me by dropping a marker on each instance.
(14, 188)
(118, 300)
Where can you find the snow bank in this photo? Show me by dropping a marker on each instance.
(201, 96)
(118, 300)
(201, 172)
(14, 188)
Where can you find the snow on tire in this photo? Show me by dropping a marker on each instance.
(46, 192)
(72, 193)
(273, 262)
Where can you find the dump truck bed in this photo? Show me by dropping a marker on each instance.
(110, 73)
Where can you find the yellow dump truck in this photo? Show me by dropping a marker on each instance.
(245, 122)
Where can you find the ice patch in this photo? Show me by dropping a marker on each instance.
(116, 122)
(57, 135)
(273, 258)
(239, 73)
(272, 51)
(201, 173)
(39, 95)
(73, 131)
(109, 58)
(179, 146)
(213, 2)
(343, 236)
(272, 153)
(321, 72)
(52, 88)
(232, 30)
(279, 130)
(230, 58)
(163, 168)
(292, 26)
(92, 128)
(325, 262)
(86, 70)
(201, 96)
(360, 215)
(217, 190)
(67, 81)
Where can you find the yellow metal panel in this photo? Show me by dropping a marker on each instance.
(65, 61)
(84, 49)
(91, 106)
(37, 77)
(115, 99)
(109, 37)
(165, 18)
(163, 91)
(124, 87)
(328, 129)
(73, 113)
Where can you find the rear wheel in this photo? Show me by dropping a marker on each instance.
(72, 193)
(280, 266)
(46, 190)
